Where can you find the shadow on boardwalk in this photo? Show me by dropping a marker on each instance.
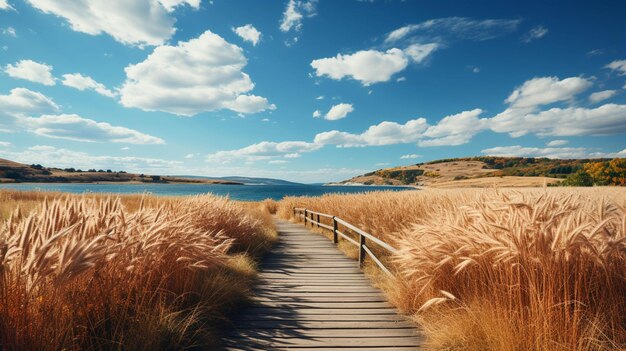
(310, 296)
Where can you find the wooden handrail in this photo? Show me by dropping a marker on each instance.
(311, 216)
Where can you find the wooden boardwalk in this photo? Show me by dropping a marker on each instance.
(311, 297)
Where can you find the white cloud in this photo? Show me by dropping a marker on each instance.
(602, 95)
(456, 129)
(31, 71)
(170, 5)
(338, 111)
(190, 156)
(18, 107)
(125, 148)
(371, 66)
(410, 156)
(557, 143)
(202, 74)
(401, 79)
(295, 12)
(476, 69)
(80, 82)
(22, 101)
(10, 31)
(603, 120)
(321, 97)
(549, 152)
(455, 27)
(277, 162)
(547, 90)
(617, 65)
(248, 33)
(4, 5)
(384, 133)
(419, 52)
(317, 114)
(524, 116)
(5, 143)
(77, 128)
(130, 22)
(535, 32)
(62, 158)
(264, 150)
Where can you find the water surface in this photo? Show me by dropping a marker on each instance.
(236, 192)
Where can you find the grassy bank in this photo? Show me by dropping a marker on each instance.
(529, 269)
(125, 272)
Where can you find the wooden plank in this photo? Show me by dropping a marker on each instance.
(337, 342)
(265, 348)
(322, 325)
(335, 333)
(309, 296)
(300, 318)
(323, 304)
(300, 311)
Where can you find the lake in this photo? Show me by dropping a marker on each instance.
(236, 192)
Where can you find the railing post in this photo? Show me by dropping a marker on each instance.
(361, 250)
(294, 213)
(335, 238)
(318, 220)
(305, 217)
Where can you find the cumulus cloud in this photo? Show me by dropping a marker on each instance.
(617, 65)
(77, 128)
(371, 66)
(454, 28)
(202, 74)
(18, 107)
(4, 5)
(602, 95)
(456, 129)
(410, 157)
(384, 133)
(338, 111)
(264, 150)
(130, 22)
(317, 114)
(31, 71)
(557, 143)
(530, 96)
(295, 12)
(81, 82)
(535, 32)
(248, 33)
(22, 101)
(547, 90)
(62, 158)
(550, 152)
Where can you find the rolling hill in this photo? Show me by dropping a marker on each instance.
(14, 172)
(480, 171)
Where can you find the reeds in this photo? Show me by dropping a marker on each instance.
(502, 269)
(82, 273)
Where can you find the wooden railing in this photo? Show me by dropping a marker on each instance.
(364, 237)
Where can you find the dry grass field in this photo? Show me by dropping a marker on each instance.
(516, 269)
(123, 272)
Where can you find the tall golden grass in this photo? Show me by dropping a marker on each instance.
(87, 273)
(532, 269)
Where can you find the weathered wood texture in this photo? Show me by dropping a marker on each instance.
(310, 296)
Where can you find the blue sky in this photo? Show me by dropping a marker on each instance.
(309, 91)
